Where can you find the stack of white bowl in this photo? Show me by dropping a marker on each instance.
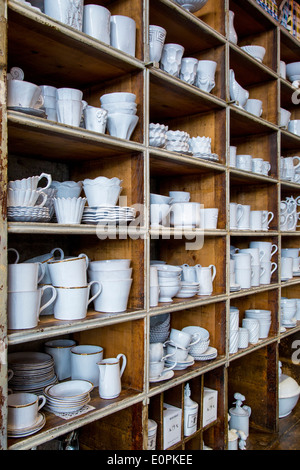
(197, 349)
(67, 203)
(160, 328)
(264, 319)
(157, 135)
(288, 312)
(102, 191)
(121, 118)
(177, 141)
(200, 145)
(169, 281)
(115, 279)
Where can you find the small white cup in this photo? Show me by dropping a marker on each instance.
(254, 106)
(270, 268)
(209, 218)
(96, 22)
(157, 36)
(286, 268)
(24, 276)
(123, 33)
(72, 302)
(95, 119)
(23, 409)
(244, 222)
(60, 349)
(69, 272)
(244, 162)
(171, 58)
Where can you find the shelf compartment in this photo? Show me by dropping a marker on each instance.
(289, 47)
(40, 138)
(178, 22)
(244, 124)
(38, 50)
(255, 376)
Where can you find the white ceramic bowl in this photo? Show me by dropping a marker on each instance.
(118, 97)
(166, 293)
(258, 52)
(191, 5)
(67, 188)
(110, 275)
(293, 71)
(289, 392)
(98, 195)
(109, 264)
(159, 199)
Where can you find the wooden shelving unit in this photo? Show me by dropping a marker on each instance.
(52, 53)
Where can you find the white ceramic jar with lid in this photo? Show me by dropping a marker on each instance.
(190, 412)
(239, 415)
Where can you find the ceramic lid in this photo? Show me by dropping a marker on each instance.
(239, 411)
(288, 387)
(188, 402)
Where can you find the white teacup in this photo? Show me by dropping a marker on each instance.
(31, 182)
(24, 94)
(69, 210)
(178, 354)
(236, 213)
(22, 409)
(182, 339)
(60, 349)
(257, 165)
(286, 268)
(270, 268)
(266, 167)
(157, 353)
(29, 304)
(171, 58)
(254, 106)
(123, 33)
(96, 22)
(24, 276)
(205, 78)
(254, 253)
(72, 302)
(157, 36)
(69, 272)
(156, 369)
(84, 359)
(95, 118)
(107, 301)
(256, 220)
(244, 222)
(268, 216)
(285, 117)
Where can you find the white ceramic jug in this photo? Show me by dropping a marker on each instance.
(110, 376)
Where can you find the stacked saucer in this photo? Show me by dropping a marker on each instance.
(181, 365)
(208, 355)
(68, 397)
(177, 141)
(160, 328)
(32, 371)
(109, 214)
(187, 289)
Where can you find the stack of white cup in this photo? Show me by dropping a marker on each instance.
(256, 269)
(288, 311)
(49, 95)
(266, 250)
(252, 326)
(69, 106)
(243, 270)
(233, 330)
(157, 359)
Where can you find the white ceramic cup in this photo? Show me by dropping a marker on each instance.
(244, 222)
(24, 276)
(243, 277)
(24, 94)
(244, 162)
(285, 117)
(270, 268)
(72, 302)
(157, 36)
(22, 409)
(24, 308)
(236, 213)
(69, 112)
(66, 11)
(254, 253)
(266, 167)
(96, 22)
(253, 327)
(171, 58)
(242, 260)
(257, 272)
(286, 268)
(84, 359)
(205, 277)
(232, 155)
(123, 33)
(108, 301)
(267, 249)
(296, 265)
(156, 369)
(282, 69)
(69, 94)
(177, 354)
(257, 165)
(256, 219)
(121, 125)
(188, 70)
(294, 126)
(69, 272)
(157, 352)
(209, 218)
(268, 216)
(205, 78)
(183, 339)
(95, 119)
(60, 349)
(158, 214)
(254, 106)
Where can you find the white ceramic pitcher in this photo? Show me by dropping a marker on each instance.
(110, 375)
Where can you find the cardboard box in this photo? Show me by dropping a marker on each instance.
(172, 425)
(210, 405)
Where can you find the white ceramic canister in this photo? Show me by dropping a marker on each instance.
(152, 432)
(190, 412)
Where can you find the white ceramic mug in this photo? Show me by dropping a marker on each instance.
(209, 218)
(178, 354)
(69, 272)
(242, 260)
(266, 167)
(171, 58)
(182, 339)
(108, 301)
(72, 302)
(110, 373)
(156, 369)
(24, 94)
(123, 33)
(157, 36)
(244, 222)
(244, 162)
(268, 216)
(22, 409)
(96, 22)
(286, 268)
(256, 220)
(267, 249)
(270, 268)
(24, 308)
(205, 277)
(254, 106)
(24, 276)
(69, 112)
(236, 213)
(84, 362)
(257, 165)
(157, 353)
(60, 349)
(243, 277)
(285, 117)
(205, 78)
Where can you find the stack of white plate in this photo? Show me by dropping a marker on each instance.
(32, 371)
(107, 214)
(188, 289)
(68, 397)
(197, 350)
(28, 214)
(210, 353)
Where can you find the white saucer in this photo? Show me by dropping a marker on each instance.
(39, 424)
(165, 376)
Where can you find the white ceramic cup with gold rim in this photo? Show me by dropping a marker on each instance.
(72, 302)
(69, 272)
(23, 409)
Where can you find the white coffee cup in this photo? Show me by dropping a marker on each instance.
(209, 218)
(177, 354)
(254, 106)
(69, 112)
(285, 117)
(232, 155)
(156, 369)
(236, 213)
(242, 260)
(254, 253)
(171, 58)
(243, 277)
(286, 268)
(182, 339)
(108, 301)
(268, 216)
(22, 409)
(294, 126)
(244, 222)
(270, 268)
(24, 276)
(267, 249)
(123, 33)
(84, 359)
(157, 36)
(24, 308)
(257, 165)
(257, 272)
(96, 22)
(256, 219)
(157, 353)
(69, 272)
(95, 119)
(266, 167)
(72, 302)
(60, 349)
(244, 162)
